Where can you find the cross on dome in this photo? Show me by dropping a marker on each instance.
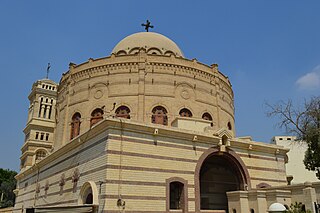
(147, 25)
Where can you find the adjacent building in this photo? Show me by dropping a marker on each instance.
(296, 171)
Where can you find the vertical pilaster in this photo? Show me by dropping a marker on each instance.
(141, 88)
(310, 197)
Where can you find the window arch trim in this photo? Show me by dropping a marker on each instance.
(75, 125)
(185, 193)
(127, 116)
(233, 158)
(96, 116)
(156, 118)
(83, 192)
(36, 154)
(207, 115)
(185, 110)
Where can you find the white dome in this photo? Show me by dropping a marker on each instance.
(277, 207)
(154, 43)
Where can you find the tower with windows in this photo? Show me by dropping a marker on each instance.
(40, 124)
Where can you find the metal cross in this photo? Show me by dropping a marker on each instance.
(147, 26)
(48, 69)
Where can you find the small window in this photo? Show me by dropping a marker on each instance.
(289, 139)
(280, 139)
(185, 113)
(123, 112)
(229, 126)
(42, 136)
(176, 195)
(30, 210)
(159, 115)
(47, 136)
(40, 155)
(75, 125)
(87, 195)
(96, 116)
(37, 135)
(207, 116)
(251, 210)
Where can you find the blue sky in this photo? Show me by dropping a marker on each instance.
(269, 49)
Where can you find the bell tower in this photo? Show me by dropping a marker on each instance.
(40, 127)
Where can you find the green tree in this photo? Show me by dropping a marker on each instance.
(305, 124)
(7, 185)
(298, 208)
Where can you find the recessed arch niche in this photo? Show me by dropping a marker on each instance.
(217, 173)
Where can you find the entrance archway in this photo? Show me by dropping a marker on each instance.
(218, 173)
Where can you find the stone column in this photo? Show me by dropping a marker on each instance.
(238, 200)
(258, 201)
(43, 110)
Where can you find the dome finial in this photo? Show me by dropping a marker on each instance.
(48, 69)
(147, 25)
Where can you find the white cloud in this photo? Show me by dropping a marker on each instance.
(310, 81)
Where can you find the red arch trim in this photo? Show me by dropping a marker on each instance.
(233, 158)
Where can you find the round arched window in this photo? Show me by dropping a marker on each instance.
(96, 116)
(123, 112)
(185, 113)
(75, 125)
(159, 115)
(88, 193)
(40, 155)
(207, 116)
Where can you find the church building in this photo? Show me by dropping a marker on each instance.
(144, 130)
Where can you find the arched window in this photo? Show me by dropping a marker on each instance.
(159, 115)
(251, 210)
(229, 126)
(75, 125)
(185, 113)
(96, 116)
(176, 195)
(40, 155)
(88, 194)
(123, 112)
(207, 116)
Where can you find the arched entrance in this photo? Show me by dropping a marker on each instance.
(218, 173)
